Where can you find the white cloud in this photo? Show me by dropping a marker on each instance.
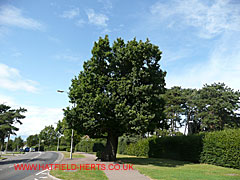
(36, 117)
(11, 79)
(223, 65)
(70, 14)
(97, 19)
(211, 18)
(68, 57)
(80, 22)
(12, 16)
(107, 4)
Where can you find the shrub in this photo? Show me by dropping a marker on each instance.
(90, 145)
(124, 141)
(187, 148)
(222, 148)
(68, 149)
(140, 148)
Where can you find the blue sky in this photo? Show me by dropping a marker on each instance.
(44, 44)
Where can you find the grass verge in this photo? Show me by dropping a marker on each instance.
(83, 175)
(74, 155)
(2, 158)
(165, 169)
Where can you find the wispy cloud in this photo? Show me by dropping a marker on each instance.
(35, 115)
(211, 18)
(70, 14)
(12, 16)
(80, 22)
(11, 79)
(40, 117)
(68, 57)
(223, 65)
(107, 4)
(97, 19)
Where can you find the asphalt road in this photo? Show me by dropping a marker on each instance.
(8, 172)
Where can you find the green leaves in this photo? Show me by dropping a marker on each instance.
(119, 89)
(222, 148)
(8, 118)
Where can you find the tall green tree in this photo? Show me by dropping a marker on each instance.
(174, 107)
(18, 143)
(218, 107)
(65, 132)
(33, 140)
(8, 120)
(119, 91)
(48, 136)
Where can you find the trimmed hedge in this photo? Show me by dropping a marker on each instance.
(186, 148)
(90, 145)
(222, 148)
(124, 141)
(140, 148)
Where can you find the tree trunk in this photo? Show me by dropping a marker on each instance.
(7, 143)
(110, 151)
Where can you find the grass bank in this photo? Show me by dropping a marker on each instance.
(165, 169)
(74, 155)
(76, 175)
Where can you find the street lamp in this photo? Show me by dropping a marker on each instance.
(61, 91)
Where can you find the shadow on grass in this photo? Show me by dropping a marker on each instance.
(153, 161)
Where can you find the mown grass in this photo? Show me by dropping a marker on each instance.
(83, 175)
(74, 155)
(79, 174)
(165, 169)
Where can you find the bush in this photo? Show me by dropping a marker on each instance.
(90, 145)
(68, 149)
(63, 148)
(124, 141)
(140, 148)
(186, 148)
(222, 148)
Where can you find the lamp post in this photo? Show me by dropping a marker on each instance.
(61, 91)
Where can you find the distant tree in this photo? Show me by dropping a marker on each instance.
(8, 119)
(33, 140)
(17, 143)
(48, 135)
(218, 107)
(65, 132)
(119, 91)
(174, 107)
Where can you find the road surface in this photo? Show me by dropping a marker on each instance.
(8, 172)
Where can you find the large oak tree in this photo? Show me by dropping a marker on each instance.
(119, 91)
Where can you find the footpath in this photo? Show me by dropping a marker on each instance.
(111, 174)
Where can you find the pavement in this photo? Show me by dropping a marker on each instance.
(123, 173)
(8, 171)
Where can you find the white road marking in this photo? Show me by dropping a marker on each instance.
(35, 179)
(37, 156)
(41, 172)
(16, 165)
(43, 177)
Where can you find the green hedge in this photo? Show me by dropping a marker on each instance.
(125, 140)
(90, 145)
(140, 148)
(222, 148)
(186, 148)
